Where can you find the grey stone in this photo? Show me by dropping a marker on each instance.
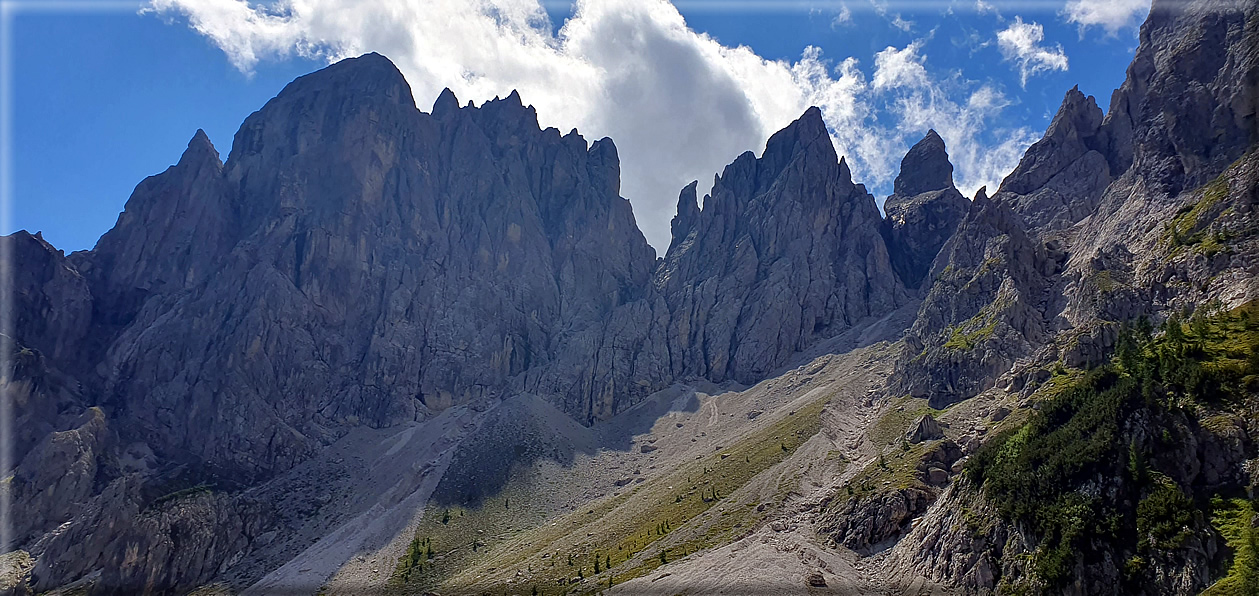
(926, 428)
(924, 211)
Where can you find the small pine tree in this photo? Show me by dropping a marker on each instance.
(664, 556)
(580, 575)
(535, 590)
(446, 517)
(598, 568)
(570, 559)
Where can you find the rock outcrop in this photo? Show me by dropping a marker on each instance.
(924, 210)
(985, 307)
(878, 514)
(926, 428)
(785, 252)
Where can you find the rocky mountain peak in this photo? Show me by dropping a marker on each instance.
(687, 214)
(171, 229)
(1074, 131)
(805, 138)
(923, 211)
(845, 173)
(446, 104)
(508, 113)
(803, 131)
(200, 150)
(365, 78)
(1078, 114)
(925, 168)
(789, 225)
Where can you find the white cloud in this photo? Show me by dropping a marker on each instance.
(678, 104)
(902, 24)
(981, 153)
(1111, 15)
(844, 17)
(899, 68)
(1020, 43)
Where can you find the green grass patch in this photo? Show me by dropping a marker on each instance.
(895, 469)
(891, 427)
(1104, 282)
(965, 336)
(1185, 228)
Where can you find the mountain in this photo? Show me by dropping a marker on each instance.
(785, 252)
(924, 210)
(378, 349)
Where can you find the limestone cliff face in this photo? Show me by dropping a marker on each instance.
(924, 210)
(785, 251)
(360, 262)
(356, 261)
(1092, 193)
(1060, 177)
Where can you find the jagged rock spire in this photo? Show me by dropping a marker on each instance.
(925, 168)
(924, 210)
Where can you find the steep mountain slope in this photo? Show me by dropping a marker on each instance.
(1141, 213)
(370, 292)
(357, 264)
(785, 252)
(378, 348)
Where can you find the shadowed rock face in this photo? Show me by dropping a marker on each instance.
(923, 212)
(785, 252)
(925, 168)
(357, 261)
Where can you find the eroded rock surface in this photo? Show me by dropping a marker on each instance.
(923, 212)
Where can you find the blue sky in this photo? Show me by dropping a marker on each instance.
(104, 95)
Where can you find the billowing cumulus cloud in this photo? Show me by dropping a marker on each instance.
(1111, 15)
(679, 104)
(1021, 43)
